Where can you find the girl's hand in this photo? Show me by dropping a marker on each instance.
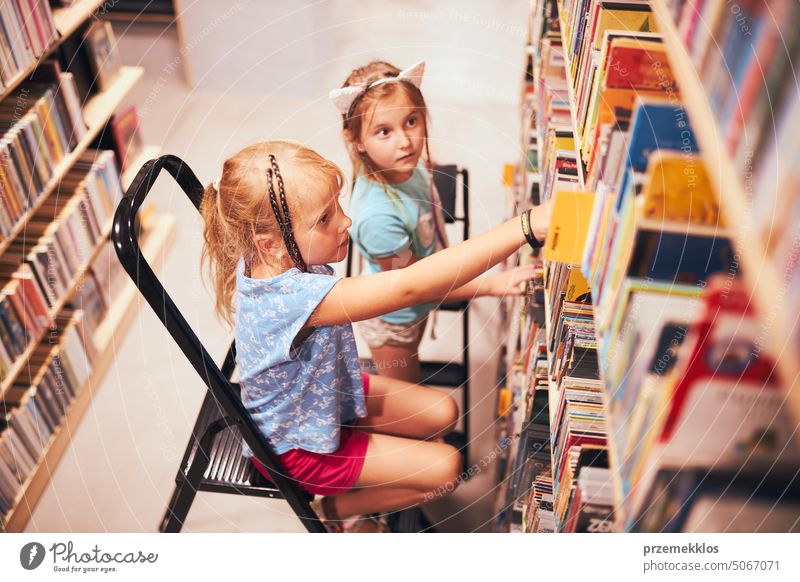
(540, 219)
(508, 282)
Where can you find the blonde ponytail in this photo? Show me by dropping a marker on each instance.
(237, 210)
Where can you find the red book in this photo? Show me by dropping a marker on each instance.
(33, 295)
(128, 141)
(727, 405)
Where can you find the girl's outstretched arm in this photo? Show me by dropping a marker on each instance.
(427, 280)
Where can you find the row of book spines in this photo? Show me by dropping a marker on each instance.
(42, 125)
(40, 276)
(90, 300)
(549, 171)
(539, 506)
(743, 57)
(548, 184)
(630, 64)
(27, 30)
(625, 246)
(591, 508)
(34, 411)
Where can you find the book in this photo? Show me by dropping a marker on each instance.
(103, 56)
(125, 128)
(568, 227)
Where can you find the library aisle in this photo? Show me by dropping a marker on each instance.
(645, 379)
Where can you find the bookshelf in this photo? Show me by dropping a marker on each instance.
(96, 112)
(22, 361)
(76, 217)
(159, 236)
(67, 20)
(759, 271)
(659, 391)
(572, 99)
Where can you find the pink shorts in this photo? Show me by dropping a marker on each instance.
(328, 473)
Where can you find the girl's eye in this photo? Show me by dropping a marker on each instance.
(323, 219)
(412, 121)
(383, 132)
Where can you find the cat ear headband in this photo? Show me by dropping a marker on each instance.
(344, 97)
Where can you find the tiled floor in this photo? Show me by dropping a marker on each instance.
(118, 473)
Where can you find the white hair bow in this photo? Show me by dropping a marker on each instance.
(344, 97)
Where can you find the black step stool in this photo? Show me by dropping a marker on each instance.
(213, 460)
(452, 183)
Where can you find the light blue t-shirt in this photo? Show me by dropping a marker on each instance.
(381, 229)
(299, 399)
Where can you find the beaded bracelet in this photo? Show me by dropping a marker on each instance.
(528, 231)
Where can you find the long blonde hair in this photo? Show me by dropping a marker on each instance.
(239, 209)
(353, 121)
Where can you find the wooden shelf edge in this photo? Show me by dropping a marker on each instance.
(141, 18)
(67, 20)
(160, 236)
(101, 106)
(158, 239)
(760, 274)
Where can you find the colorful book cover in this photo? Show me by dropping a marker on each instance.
(568, 227)
(678, 189)
(658, 124)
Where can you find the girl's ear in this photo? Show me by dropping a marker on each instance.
(265, 245)
(348, 137)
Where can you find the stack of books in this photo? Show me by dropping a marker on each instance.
(27, 30)
(38, 269)
(36, 404)
(40, 123)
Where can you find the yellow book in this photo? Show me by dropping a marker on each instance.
(565, 143)
(635, 20)
(572, 212)
(577, 286)
(52, 132)
(678, 190)
(504, 401)
(508, 175)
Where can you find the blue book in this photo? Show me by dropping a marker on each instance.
(679, 257)
(658, 125)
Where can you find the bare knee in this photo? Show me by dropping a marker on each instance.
(447, 470)
(446, 417)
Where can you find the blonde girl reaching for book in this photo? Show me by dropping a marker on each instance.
(397, 216)
(368, 444)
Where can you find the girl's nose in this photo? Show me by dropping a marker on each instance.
(346, 223)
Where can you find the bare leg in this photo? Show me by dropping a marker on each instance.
(401, 363)
(399, 473)
(375, 500)
(399, 408)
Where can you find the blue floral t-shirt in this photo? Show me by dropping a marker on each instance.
(298, 398)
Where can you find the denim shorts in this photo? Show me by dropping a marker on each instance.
(378, 333)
